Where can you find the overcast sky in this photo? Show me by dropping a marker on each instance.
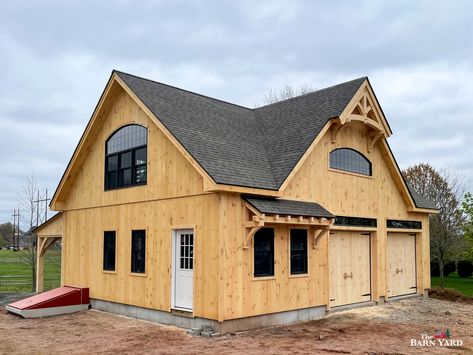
(56, 56)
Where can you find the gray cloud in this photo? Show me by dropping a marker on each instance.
(56, 57)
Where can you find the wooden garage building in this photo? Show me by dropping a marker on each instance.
(184, 209)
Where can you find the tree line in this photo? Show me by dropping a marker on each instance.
(451, 229)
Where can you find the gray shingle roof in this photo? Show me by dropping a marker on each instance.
(421, 201)
(288, 207)
(291, 126)
(223, 138)
(240, 146)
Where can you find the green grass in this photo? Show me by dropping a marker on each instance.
(462, 285)
(11, 264)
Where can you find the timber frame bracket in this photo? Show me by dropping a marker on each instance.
(336, 128)
(251, 228)
(317, 234)
(256, 220)
(373, 137)
(44, 243)
(364, 109)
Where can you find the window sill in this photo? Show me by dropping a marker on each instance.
(403, 230)
(125, 187)
(298, 276)
(112, 272)
(350, 173)
(138, 274)
(353, 228)
(263, 278)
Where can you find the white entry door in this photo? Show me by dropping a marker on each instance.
(183, 269)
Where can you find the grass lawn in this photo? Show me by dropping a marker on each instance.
(12, 264)
(463, 285)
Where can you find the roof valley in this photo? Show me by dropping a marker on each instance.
(235, 145)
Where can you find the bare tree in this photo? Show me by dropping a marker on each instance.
(31, 214)
(445, 188)
(275, 95)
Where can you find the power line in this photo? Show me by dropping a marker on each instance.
(38, 201)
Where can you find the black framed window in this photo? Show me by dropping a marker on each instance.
(347, 159)
(298, 251)
(394, 223)
(138, 251)
(355, 221)
(264, 252)
(126, 157)
(109, 248)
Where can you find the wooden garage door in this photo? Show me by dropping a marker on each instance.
(349, 266)
(401, 264)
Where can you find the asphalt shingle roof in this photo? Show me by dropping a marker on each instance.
(421, 201)
(288, 207)
(240, 146)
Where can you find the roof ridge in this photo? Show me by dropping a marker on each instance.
(181, 89)
(231, 103)
(312, 92)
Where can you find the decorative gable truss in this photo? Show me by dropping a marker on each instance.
(363, 108)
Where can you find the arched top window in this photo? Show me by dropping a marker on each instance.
(126, 157)
(350, 160)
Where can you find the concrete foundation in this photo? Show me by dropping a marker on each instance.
(228, 326)
(403, 297)
(352, 306)
(273, 319)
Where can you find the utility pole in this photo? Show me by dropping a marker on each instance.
(37, 210)
(16, 229)
(45, 200)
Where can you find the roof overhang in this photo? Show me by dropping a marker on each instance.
(264, 212)
(54, 219)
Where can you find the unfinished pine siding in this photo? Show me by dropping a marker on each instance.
(172, 198)
(181, 194)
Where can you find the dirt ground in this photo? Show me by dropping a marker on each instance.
(386, 329)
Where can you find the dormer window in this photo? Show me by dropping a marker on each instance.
(350, 160)
(126, 157)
